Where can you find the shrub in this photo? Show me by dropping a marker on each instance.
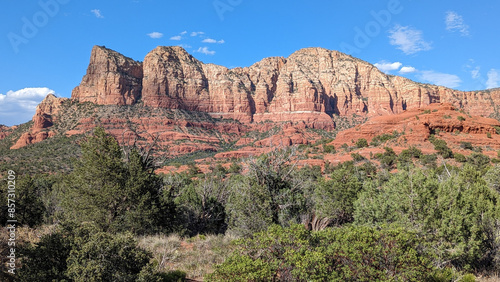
(295, 254)
(466, 145)
(361, 143)
(357, 157)
(441, 147)
(329, 149)
(461, 118)
(459, 157)
(488, 134)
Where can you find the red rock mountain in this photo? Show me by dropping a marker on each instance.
(311, 88)
(310, 85)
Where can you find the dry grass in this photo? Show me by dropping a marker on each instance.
(495, 277)
(196, 256)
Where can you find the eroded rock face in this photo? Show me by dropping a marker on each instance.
(111, 79)
(43, 119)
(310, 85)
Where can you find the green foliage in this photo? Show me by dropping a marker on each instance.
(201, 205)
(101, 256)
(388, 158)
(461, 118)
(479, 161)
(46, 261)
(334, 198)
(457, 215)
(441, 147)
(116, 195)
(272, 192)
(466, 145)
(427, 111)
(357, 157)
(488, 134)
(361, 143)
(329, 149)
(234, 168)
(379, 139)
(30, 209)
(459, 157)
(497, 129)
(295, 254)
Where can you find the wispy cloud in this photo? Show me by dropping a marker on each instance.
(177, 37)
(408, 39)
(196, 33)
(97, 13)
(184, 32)
(388, 67)
(475, 73)
(407, 69)
(19, 106)
(210, 40)
(205, 50)
(455, 22)
(155, 35)
(493, 79)
(443, 79)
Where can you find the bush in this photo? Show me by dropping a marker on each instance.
(388, 158)
(461, 118)
(357, 157)
(295, 254)
(459, 157)
(379, 139)
(441, 147)
(329, 149)
(466, 145)
(361, 143)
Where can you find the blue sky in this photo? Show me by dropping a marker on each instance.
(45, 45)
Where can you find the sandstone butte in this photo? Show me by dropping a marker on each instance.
(308, 87)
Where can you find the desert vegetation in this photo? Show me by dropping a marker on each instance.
(391, 217)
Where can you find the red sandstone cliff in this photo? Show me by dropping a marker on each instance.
(309, 85)
(111, 79)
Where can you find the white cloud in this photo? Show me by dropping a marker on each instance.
(177, 37)
(475, 73)
(155, 35)
(408, 39)
(388, 67)
(184, 32)
(196, 33)
(205, 50)
(455, 22)
(211, 40)
(443, 79)
(97, 13)
(493, 79)
(19, 106)
(407, 69)
(185, 46)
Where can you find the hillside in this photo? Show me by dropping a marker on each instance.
(188, 110)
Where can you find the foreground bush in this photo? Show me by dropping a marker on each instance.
(295, 254)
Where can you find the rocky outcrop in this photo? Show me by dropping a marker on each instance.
(310, 85)
(44, 118)
(111, 79)
(416, 125)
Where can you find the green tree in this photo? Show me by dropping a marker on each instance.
(46, 260)
(335, 198)
(117, 195)
(361, 143)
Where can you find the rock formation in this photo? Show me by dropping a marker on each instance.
(111, 79)
(310, 85)
(43, 119)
